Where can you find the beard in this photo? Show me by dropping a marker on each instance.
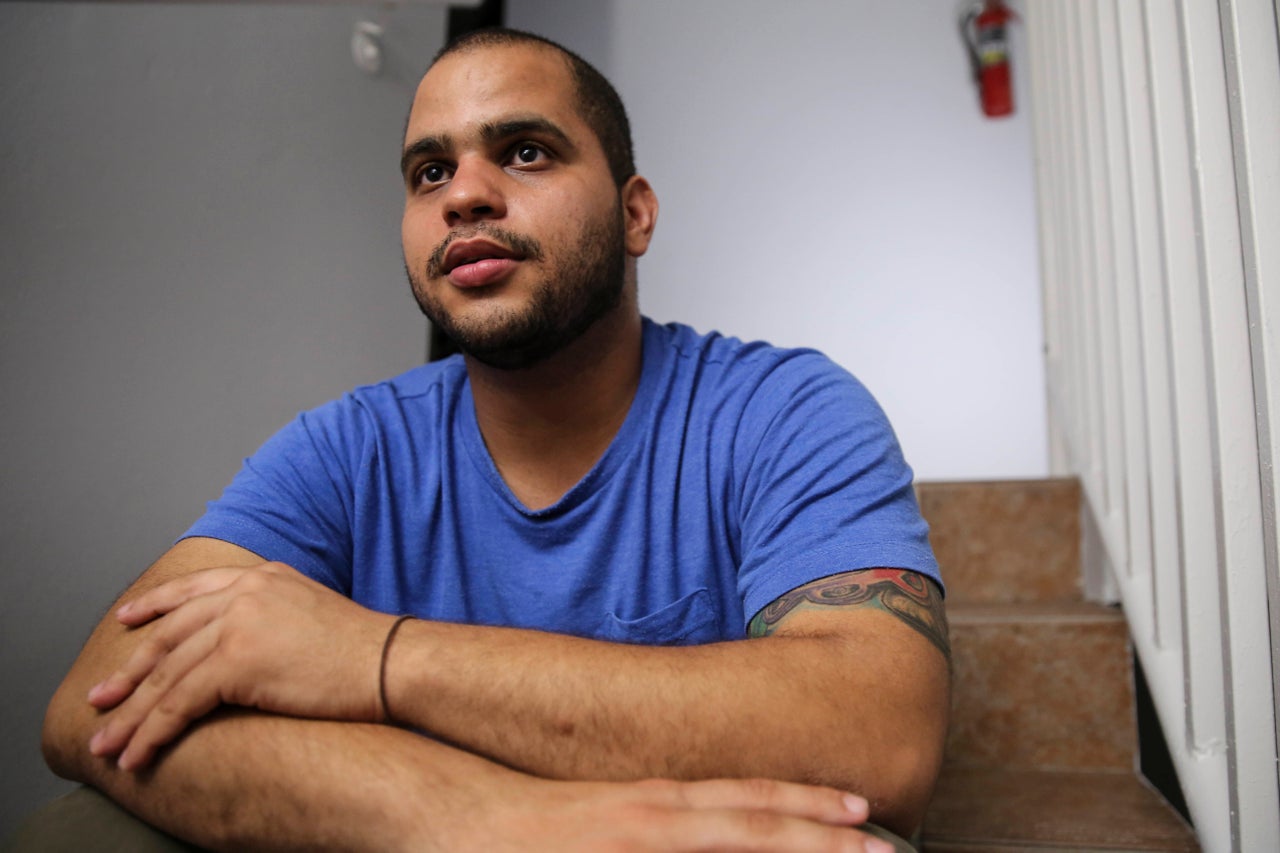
(576, 292)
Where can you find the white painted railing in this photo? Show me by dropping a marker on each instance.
(1157, 134)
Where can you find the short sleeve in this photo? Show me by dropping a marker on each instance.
(826, 488)
(292, 500)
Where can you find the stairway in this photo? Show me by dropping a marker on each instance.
(1042, 754)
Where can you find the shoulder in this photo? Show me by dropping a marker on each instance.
(395, 413)
(816, 480)
(763, 387)
(750, 368)
(422, 389)
(431, 380)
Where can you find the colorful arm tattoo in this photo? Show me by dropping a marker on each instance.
(911, 597)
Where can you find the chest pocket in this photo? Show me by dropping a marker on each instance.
(684, 622)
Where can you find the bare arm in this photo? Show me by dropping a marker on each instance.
(848, 689)
(847, 686)
(246, 779)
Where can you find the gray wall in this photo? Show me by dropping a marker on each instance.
(828, 180)
(199, 236)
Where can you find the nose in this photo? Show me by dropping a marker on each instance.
(474, 193)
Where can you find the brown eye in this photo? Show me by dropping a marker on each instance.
(432, 173)
(527, 154)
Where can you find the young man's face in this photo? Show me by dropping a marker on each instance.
(513, 232)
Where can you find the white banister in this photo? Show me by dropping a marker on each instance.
(1252, 64)
(1157, 134)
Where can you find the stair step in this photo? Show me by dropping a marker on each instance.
(1007, 541)
(1043, 743)
(1041, 686)
(997, 811)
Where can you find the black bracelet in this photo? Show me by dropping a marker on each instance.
(382, 667)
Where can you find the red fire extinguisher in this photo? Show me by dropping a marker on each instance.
(985, 32)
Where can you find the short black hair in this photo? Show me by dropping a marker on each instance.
(598, 102)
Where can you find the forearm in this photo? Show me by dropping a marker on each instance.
(854, 700)
(242, 779)
(783, 707)
(252, 781)
(249, 781)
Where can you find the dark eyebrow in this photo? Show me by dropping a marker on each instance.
(497, 131)
(427, 146)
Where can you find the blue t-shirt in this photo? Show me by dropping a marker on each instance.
(741, 472)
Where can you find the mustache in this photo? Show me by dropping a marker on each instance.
(526, 247)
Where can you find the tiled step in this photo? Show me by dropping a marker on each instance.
(1041, 686)
(999, 811)
(1042, 746)
(1008, 541)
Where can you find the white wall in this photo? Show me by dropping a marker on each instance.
(199, 236)
(827, 180)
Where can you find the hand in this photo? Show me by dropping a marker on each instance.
(662, 815)
(265, 637)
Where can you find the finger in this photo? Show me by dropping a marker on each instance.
(191, 698)
(168, 596)
(813, 802)
(126, 719)
(753, 830)
(167, 635)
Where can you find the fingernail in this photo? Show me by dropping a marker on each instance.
(124, 609)
(95, 690)
(878, 845)
(855, 804)
(95, 742)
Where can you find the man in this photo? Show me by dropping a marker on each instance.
(585, 512)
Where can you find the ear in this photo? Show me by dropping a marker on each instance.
(640, 213)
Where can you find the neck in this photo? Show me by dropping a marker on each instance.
(545, 426)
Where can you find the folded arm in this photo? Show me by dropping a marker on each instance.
(846, 684)
(243, 778)
(255, 779)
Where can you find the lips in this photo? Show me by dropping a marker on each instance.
(467, 252)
